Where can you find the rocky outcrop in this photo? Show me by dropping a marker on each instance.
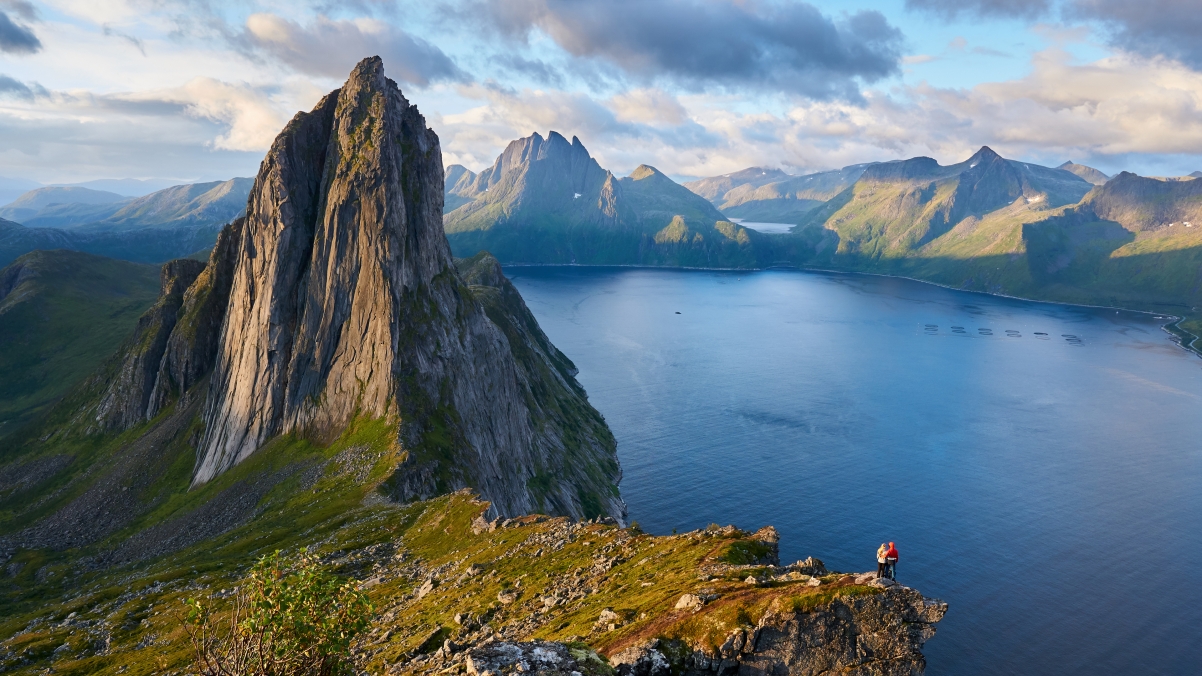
(192, 348)
(344, 301)
(126, 400)
(879, 634)
(575, 440)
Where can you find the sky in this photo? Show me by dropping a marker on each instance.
(193, 90)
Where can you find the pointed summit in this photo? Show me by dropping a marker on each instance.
(985, 154)
(345, 303)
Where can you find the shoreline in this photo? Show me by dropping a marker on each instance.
(1184, 339)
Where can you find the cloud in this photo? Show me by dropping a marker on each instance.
(1168, 28)
(732, 45)
(1008, 9)
(16, 88)
(331, 48)
(622, 132)
(649, 106)
(21, 8)
(16, 38)
(252, 120)
(137, 44)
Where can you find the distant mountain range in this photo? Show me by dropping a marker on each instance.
(771, 195)
(166, 224)
(548, 201)
(1068, 233)
(12, 188)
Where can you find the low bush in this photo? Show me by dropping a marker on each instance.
(290, 617)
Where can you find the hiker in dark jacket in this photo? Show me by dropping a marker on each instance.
(891, 562)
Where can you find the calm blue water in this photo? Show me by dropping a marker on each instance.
(1047, 488)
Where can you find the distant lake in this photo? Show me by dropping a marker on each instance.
(1038, 465)
(766, 228)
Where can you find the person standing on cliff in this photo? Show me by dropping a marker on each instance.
(891, 562)
(880, 560)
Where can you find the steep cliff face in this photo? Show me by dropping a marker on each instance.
(344, 302)
(126, 400)
(192, 348)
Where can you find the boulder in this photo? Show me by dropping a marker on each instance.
(534, 657)
(641, 660)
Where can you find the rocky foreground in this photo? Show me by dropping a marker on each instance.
(454, 593)
(560, 597)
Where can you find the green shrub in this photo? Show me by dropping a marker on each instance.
(746, 552)
(289, 618)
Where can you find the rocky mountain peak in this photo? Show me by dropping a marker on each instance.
(344, 303)
(645, 171)
(984, 154)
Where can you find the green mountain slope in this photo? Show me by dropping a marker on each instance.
(999, 226)
(61, 314)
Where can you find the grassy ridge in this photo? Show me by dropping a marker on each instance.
(65, 313)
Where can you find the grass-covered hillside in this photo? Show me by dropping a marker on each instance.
(61, 314)
(433, 571)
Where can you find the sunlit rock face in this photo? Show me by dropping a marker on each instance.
(344, 301)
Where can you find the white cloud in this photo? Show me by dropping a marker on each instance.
(252, 119)
(649, 106)
(331, 48)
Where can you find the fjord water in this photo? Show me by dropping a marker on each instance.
(1049, 487)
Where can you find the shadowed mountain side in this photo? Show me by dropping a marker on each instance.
(1145, 204)
(457, 179)
(61, 314)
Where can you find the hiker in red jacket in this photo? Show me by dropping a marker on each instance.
(891, 562)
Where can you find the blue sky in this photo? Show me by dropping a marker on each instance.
(196, 89)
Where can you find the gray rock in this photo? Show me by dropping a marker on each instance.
(126, 400)
(879, 634)
(689, 602)
(641, 660)
(427, 587)
(536, 657)
(345, 301)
